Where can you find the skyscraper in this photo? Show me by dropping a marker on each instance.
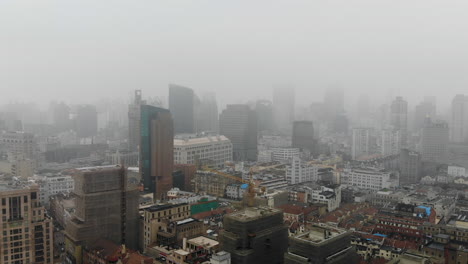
(239, 124)
(333, 103)
(264, 110)
(390, 142)
(61, 116)
(207, 114)
(86, 121)
(156, 150)
(399, 118)
(425, 109)
(303, 135)
(410, 166)
(434, 141)
(459, 124)
(360, 142)
(283, 107)
(134, 122)
(182, 107)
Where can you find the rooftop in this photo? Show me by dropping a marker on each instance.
(321, 233)
(183, 140)
(159, 207)
(252, 213)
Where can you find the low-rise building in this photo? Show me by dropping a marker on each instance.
(236, 191)
(322, 244)
(367, 178)
(284, 154)
(52, 184)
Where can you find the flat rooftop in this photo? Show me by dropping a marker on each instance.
(320, 234)
(97, 168)
(160, 207)
(252, 213)
(183, 140)
(203, 241)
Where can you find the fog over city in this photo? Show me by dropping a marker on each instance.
(77, 51)
(233, 132)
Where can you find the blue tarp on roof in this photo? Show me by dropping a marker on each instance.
(428, 209)
(245, 186)
(380, 235)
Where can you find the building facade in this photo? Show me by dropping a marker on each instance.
(214, 149)
(410, 166)
(434, 141)
(26, 231)
(360, 142)
(366, 178)
(181, 105)
(156, 150)
(399, 118)
(134, 121)
(303, 135)
(239, 124)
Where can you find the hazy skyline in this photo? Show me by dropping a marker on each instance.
(80, 51)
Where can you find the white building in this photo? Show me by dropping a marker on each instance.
(284, 154)
(331, 196)
(190, 148)
(456, 171)
(390, 142)
(367, 178)
(54, 184)
(360, 142)
(299, 172)
(236, 191)
(264, 156)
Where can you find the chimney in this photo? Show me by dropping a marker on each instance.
(184, 244)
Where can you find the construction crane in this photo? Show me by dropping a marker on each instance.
(227, 175)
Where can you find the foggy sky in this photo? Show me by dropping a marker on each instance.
(81, 50)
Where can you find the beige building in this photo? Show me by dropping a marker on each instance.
(26, 231)
(157, 217)
(215, 149)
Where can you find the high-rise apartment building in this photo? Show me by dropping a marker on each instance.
(459, 124)
(182, 107)
(211, 149)
(61, 117)
(434, 141)
(25, 230)
(134, 111)
(423, 110)
(255, 235)
(156, 150)
(207, 114)
(264, 109)
(389, 142)
(19, 145)
(303, 135)
(86, 121)
(410, 167)
(360, 142)
(239, 124)
(283, 107)
(399, 118)
(106, 207)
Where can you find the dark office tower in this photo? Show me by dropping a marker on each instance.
(340, 124)
(207, 114)
(399, 118)
(134, 122)
(434, 141)
(459, 124)
(363, 107)
(156, 150)
(410, 166)
(239, 124)
(182, 107)
(61, 117)
(283, 107)
(425, 109)
(86, 122)
(255, 235)
(264, 110)
(334, 103)
(303, 135)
